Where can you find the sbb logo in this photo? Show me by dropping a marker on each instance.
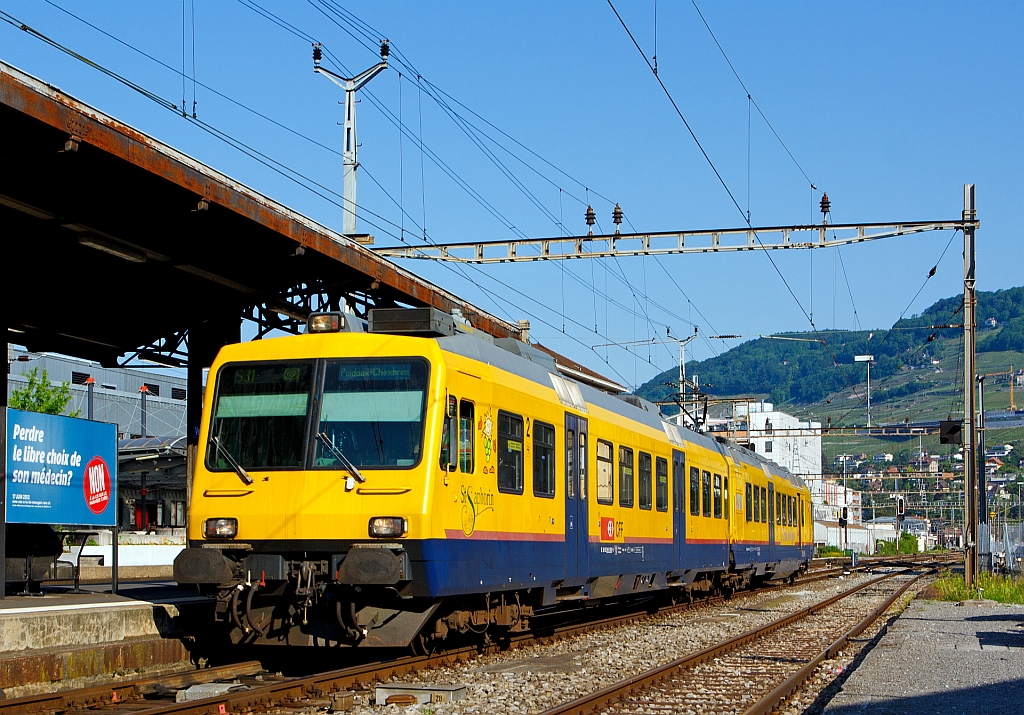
(607, 528)
(96, 485)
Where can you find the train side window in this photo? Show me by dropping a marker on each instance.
(661, 484)
(570, 464)
(583, 466)
(718, 496)
(750, 507)
(792, 511)
(778, 508)
(448, 435)
(605, 473)
(694, 491)
(543, 459)
(510, 453)
(789, 511)
(757, 504)
(625, 477)
(764, 505)
(466, 433)
(644, 468)
(725, 496)
(705, 493)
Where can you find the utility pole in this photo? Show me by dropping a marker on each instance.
(982, 485)
(683, 383)
(351, 164)
(868, 359)
(970, 436)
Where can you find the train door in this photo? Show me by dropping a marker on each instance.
(678, 508)
(771, 521)
(577, 561)
(800, 523)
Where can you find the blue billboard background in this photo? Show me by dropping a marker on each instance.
(60, 470)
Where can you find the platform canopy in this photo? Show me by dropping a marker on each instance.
(115, 243)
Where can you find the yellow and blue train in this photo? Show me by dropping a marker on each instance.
(418, 481)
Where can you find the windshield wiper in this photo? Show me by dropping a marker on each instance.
(340, 456)
(221, 450)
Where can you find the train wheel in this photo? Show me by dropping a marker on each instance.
(420, 645)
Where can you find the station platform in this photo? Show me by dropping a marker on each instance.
(63, 638)
(940, 657)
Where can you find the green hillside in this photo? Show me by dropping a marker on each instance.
(915, 374)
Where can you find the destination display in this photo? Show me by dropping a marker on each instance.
(60, 470)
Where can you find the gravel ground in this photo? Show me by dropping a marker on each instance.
(534, 678)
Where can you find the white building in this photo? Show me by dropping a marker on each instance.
(784, 439)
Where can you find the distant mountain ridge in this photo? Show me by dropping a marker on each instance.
(803, 372)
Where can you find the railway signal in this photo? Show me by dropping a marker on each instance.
(951, 432)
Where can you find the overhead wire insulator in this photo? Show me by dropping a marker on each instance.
(591, 219)
(826, 206)
(617, 217)
(385, 49)
(317, 55)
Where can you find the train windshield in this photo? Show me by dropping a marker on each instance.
(372, 412)
(259, 418)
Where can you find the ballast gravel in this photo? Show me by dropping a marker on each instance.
(536, 677)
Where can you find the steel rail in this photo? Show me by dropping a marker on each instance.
(128, 690)
(606, 697)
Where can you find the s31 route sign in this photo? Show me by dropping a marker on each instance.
(60, 470)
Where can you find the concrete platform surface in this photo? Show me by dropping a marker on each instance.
(941, 658)
(61, 638)
(61, 619)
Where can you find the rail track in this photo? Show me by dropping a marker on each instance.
(254, 689)
(754, 672)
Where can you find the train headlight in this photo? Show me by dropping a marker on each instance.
(388, 527)
(325, 322)
(220, 528)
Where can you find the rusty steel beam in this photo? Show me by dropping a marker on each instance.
(89, 126)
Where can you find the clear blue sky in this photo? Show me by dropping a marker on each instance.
(889, 107)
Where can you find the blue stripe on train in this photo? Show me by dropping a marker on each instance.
(459, 566)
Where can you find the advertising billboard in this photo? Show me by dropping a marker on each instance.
(60, 470)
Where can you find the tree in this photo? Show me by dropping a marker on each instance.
(41, 395)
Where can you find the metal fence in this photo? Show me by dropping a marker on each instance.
(1012, 547)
